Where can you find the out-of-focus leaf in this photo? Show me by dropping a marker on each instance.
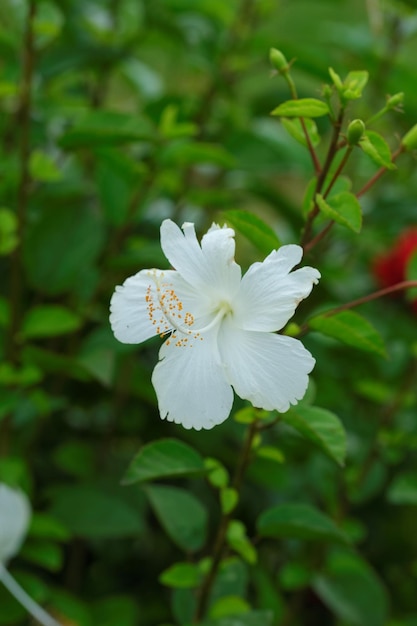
(250, 618)
(49, 321)
(350, 328)
(44, 553)
(300, 521)
(321, 427)
(105, 128)
(44, 526)
(238, 541)
(343, 208)
(228, 499)
(8, 231)
(295, 129)
(350, 589)
(184, 153)
(251, 226)
(88, 511)
(354, 83)
(120, 610)
(181, 575)
(181, 515)
(228, 606)
(403, 489)
(42, 167)
(304, 107)
(375, 146)
(163, 459)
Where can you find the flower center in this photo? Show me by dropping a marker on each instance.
(167, 314)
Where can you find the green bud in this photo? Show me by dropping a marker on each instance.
(409, 140)
(355, 132)
(278, 61)
(326, 92)
(337, 81)
(395, 100)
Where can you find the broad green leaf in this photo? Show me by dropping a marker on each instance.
(295, 129)
(272, 453)
(228, 499)
(218, 475)
(182, 576)
(42, 167)
(239, 542)
(354, 84)
(251, 618)
(403, 489)
(321, 427)
(253, 228)
(47, 554)
(304, 107)
(89, 511)
(411, 274)
(8, 231)
(300, 521)
(350, 328)
(163, 459)
(184, 153)
(49, 321)
(351, 589)
(181, 515)
(104, 128)
(227, 606)
(44, 526)
(65, 242)
(375, 146)
(232, 578)
(343, 208)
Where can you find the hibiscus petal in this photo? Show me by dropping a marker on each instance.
(190, 384)
(130, 317)
(209, 267)
(271, 371)
(269, 293)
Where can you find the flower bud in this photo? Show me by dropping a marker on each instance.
(396, 100)
(409, 141)
(355, 132)
(14, 521)
(278, 60)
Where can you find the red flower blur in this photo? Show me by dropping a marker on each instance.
(391, 268)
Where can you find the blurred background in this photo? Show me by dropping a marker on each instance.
(116, 114)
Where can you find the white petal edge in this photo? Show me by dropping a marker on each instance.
(269, 370)
(270, 293)
(15, 514)
(190, 384)
(129, 310)
(209, 267)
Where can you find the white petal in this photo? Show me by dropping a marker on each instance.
(14, 521)
(271, 371)
(190, 384)
(211, 267)
(131, 315)
(269, 293)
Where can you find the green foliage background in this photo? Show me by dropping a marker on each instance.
(114, 115)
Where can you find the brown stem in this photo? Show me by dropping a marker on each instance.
(313, 242)
(322, 177)
(338, 171)
(220, 540)
(379, 173)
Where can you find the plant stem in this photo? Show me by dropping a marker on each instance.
(25, 600)
(379, 173)
(322, 177)
(220, 540)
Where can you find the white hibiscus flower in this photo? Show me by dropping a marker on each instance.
(220, 327)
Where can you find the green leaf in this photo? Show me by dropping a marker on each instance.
(253, 228)
(218, 475)
(350, 589)
(163, 459)
(104, 128)
(8, 231)
(350, 328)
(375, 146)
(49, 321)
(227, 606)
(300, 521)
(411, 274)
(354, 84)
(228, 499)
(44, 526)
(295, 129)
(181, 576)
(321, 427)
(271, 453)
(250, 618)
(343, 208)
(120, 610)
(42, 167)
(89, 511)
(239, 542)
(182, 516)
(403, 489)
(185, 153)
(304, 107)
(44, 553)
